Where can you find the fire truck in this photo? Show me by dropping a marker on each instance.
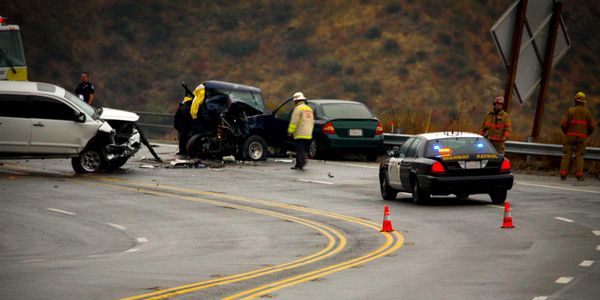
(12, 55)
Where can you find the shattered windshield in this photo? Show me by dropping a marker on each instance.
(11, 49)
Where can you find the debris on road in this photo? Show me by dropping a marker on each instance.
(229, 158)
(147, 167)
(283, 160)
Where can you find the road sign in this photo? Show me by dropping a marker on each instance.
(533, 43)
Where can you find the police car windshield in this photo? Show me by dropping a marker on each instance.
(458, 146)
(86, 108)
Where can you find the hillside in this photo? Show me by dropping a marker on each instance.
(405, 59)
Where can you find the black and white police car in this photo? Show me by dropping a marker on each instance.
(444, 163)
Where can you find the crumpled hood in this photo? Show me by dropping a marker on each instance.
(118, 115)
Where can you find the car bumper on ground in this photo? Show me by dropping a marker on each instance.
(482, 184)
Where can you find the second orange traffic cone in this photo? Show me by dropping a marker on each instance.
(387, 223)
(507, 222)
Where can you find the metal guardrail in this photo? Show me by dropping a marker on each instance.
(165, 121)
(511, 147)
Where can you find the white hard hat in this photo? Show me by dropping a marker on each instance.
(298, 96)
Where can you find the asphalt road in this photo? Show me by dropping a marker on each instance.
(263, 230)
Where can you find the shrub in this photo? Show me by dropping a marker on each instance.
(392, 8)
(373, 33)
(391, 46)
(351, 86)
(330, 65)
(238, 47)
(297, 50)
(444, 38)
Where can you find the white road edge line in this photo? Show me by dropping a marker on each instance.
(60, 211)
(132, 250)
(495, 206)
(117, 226)
(351, 165)
(586, 263)
(558, 188)
(564, 219)
(33, 260)
(142, 240)
(540, 298)
(564, 280)
(596, 232)
(315, 181)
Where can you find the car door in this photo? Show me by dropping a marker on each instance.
(407, 163)
(53, 127)
(15, 124)
(278, 124)
(394, 165)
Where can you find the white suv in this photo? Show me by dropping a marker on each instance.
(41, 120)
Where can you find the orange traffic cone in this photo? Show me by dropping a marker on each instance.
(387, 224)
(507, 222)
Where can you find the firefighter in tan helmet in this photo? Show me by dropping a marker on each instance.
(577, 124)
(496, 126)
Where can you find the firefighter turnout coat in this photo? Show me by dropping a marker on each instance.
(577, 122)
(302, 122)
(496, 126)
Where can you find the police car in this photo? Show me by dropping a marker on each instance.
(445, 163)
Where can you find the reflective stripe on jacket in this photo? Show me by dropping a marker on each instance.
(302, 122)
(577, 121)
(496, 126)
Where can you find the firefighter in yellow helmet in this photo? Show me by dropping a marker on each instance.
(301, 128)
(497, 126)
(577, 125)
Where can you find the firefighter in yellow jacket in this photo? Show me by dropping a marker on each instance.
(301, 128)
(496, 126)
(577, 124)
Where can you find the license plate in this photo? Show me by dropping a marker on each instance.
(355, 132)
(473, 164)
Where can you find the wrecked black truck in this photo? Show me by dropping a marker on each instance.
(221, 128)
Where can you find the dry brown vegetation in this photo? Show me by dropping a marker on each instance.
(405, 59)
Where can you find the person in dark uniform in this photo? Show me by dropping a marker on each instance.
(85, 89)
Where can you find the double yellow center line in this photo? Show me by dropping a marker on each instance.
(393, 241)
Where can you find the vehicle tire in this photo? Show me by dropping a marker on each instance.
(371, 156)
(313, 150)
(255, 148)
(90, 160)
(387, 192)
(117, 163)
(498, 197)
(194, 146)
(418, 195)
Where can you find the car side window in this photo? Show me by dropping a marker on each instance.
(412, 149)
(48, 108)
(285, 112)
(14, 106)
(404, 149)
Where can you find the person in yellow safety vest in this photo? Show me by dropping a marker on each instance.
(199, 95)
(496, 126)
(577, 125)
(301, 128)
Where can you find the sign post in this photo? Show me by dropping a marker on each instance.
(511, 70)
(547, 70)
